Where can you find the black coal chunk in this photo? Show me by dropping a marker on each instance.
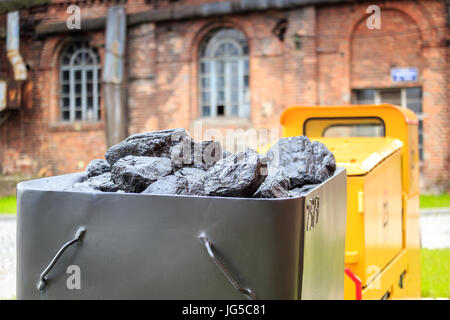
(302, 161)
(150, 144)
(226, 154)
(298, 192)
(135, 173)
(189, 153)
(98, 183)
(192, 175)
(276, 185)
(169, 185)
(97, 167)
(238, 175)
(211, 154)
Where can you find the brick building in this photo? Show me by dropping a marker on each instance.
(232, 64)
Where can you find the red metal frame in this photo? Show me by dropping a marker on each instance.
(356, 281)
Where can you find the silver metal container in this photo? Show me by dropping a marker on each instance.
(81, 245)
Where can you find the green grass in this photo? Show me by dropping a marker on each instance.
(8, 205)
(442, 200)
(435, 269)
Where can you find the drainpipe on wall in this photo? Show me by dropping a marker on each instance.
(113, 89)
(3, 93)
(12, 46)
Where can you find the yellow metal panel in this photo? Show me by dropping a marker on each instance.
(361, 201)
(407, 263)
(349, 289)
(354, 236)
(382, 215)
(387, 282)
(360, 155)
(374, 236)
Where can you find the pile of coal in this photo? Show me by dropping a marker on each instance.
(170, 162)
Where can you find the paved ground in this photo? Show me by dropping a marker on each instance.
(435, 228)
(434, 225)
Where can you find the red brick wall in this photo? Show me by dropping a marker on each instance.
(374, 52)
(412, 34)
(327, 51)
(34, 140)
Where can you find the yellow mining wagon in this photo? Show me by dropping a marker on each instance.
(378, 145)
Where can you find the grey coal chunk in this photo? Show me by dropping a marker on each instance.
(150, 144)
(97, 167)
(238, 175)
(276, 185)
(202, 155)
(302, 161)
(211, 154)
(299, 192)
(192, 175)
(169, 185)
(226, 154)
(98, 183)
(134, 173)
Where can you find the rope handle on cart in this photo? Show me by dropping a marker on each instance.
(356, 281)
(43, 277)
(210, 249)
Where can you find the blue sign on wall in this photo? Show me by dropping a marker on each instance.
(404, 74)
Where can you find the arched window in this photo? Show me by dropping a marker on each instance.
(224, 74)
(79, 82)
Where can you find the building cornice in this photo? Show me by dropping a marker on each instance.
(185, 12)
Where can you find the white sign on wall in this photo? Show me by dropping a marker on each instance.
(404, 74)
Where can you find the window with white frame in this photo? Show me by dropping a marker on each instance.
(79, 82)
(224, 74)
(410, 98)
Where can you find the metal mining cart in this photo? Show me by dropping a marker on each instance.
(84, 245)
